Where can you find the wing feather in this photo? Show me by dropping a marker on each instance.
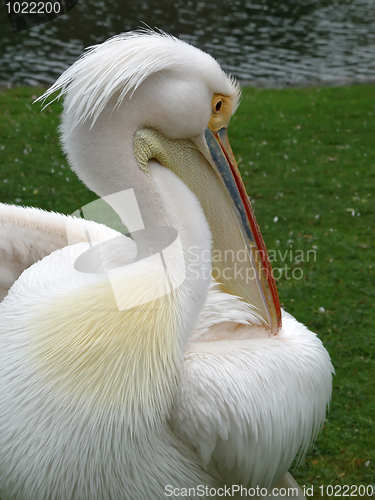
(249, 406)
(30, 234)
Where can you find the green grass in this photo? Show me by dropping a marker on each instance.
(307, 157)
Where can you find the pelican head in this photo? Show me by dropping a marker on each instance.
(142, 99)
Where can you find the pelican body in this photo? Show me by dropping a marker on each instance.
(129, 369)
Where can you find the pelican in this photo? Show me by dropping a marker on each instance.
(122, 378)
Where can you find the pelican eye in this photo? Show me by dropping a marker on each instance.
(218, 105)
(221, 112)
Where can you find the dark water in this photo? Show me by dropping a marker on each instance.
(263, 41)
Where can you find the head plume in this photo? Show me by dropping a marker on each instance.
(121, 64)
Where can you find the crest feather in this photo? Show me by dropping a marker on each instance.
(120, 64)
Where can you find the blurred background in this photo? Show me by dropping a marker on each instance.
(261, 42)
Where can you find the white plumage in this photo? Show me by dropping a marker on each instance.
(194, 387)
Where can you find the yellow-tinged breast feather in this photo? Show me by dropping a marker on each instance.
(113, 357)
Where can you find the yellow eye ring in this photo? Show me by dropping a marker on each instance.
(221, 112)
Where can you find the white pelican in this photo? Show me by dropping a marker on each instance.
(151, 395)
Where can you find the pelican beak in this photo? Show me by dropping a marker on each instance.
(223, 161)
(207, 166)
